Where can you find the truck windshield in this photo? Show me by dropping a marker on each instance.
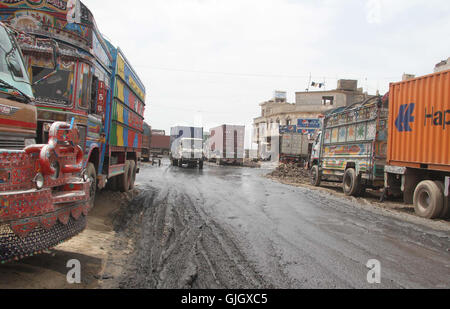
(12, 69)
(56, 89)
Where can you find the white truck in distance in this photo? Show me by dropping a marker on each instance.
(186, 146)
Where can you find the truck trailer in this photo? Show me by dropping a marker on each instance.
(294, 145)
(225, 145)
(418, 151)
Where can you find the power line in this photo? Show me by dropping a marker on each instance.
(247, 74)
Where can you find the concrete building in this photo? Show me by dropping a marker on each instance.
(309, 104)
(442, 66)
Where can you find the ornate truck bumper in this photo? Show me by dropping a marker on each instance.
(42, 200)
(35, 220)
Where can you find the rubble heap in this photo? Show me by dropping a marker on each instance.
(291, 172)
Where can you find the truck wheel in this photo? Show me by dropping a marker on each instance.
(445, 213)
(351, 183)
(133, 170)
(112, 184)
(92, 174)
(200, 165)
(428, 199)
(124, 184)
(180, 163)
(315, 176)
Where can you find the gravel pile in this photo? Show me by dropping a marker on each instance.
(291, 173)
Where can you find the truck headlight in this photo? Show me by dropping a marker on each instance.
(39, 181)
(29, 142)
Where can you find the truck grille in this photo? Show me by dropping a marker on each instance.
(12, 144)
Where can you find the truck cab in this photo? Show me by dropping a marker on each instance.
(42, 200)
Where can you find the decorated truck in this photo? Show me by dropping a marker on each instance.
(353, 147)
(225, 145)
(93, 84)
(43, 200)
(399, 143)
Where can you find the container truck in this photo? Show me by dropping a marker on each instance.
(225, 145)
(186, 146)
(294, 145)
(160, 145)
(146, 143)
(400, 143)
(418, 152)
(43, 200)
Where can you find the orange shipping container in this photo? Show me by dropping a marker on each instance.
(419, 122)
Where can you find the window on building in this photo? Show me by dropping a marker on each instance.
(288, 122)
(327, 101)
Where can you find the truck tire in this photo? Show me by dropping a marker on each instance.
(112, 184)
(180, 163)
(315, 176)
(124, 179)
(351, 183)
(200, 165)
(133, 169)
(92, 174)
(445, 206)
(428, 199)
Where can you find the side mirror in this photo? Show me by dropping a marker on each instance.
(55, 51)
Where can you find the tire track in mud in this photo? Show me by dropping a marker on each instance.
(179, 246)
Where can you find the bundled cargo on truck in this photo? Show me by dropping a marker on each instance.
(225, 145)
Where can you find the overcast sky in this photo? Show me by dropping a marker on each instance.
(214, 61)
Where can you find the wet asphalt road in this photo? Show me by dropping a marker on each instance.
(227, 227)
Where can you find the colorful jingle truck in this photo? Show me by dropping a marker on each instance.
(353, 147)
(42, 200)
(93, 83)
(400, 144)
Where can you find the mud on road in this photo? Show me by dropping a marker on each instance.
(179, 246)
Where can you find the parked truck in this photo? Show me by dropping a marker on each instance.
(93, 83)
(160, 145)
(294, 145)
(225, 145)
(399, 143)
(43, 199)
(418, 152)
(186, 146)
(146, 143)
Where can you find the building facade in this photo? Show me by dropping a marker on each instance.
(308, 105)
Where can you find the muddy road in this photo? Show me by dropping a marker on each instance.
(227, 227)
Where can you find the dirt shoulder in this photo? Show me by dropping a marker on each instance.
(92, 248)
(299, 177)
